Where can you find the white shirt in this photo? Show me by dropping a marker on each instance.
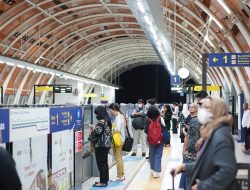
(120, 125)
(246, 119)
(175, 113)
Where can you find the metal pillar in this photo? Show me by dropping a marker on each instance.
(204, 72)
(1, 94)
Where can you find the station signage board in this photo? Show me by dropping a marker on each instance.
(229, 59)
(4, 125)
(44, 88)
(63, 118)
(62, 88)
(209, 88)
(175, 79)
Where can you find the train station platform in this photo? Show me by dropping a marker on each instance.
(138, 174)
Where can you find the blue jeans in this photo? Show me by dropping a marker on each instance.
(183, 179)
(155, 154)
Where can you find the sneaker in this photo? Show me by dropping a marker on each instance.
(246, 151)
(118, 179)
(152, 173)
(157, 175)
(133, 154)
(147, 157)
(143, 154)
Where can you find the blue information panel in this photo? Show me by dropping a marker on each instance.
(229, 59)
(4, 125)
(64, 118)
(175, 79)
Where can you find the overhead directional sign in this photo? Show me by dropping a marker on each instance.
(44, 88)
(175, 79)
(229, 59)
(209, 88)
(59, 88)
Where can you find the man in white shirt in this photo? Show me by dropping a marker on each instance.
(175, 117)
(246, 126)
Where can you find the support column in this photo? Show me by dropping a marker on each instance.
(42, 99)
(204, 72)
(20, 88)
(7, 80)
(31, 92)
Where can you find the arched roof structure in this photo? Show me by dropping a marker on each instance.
(101, 39)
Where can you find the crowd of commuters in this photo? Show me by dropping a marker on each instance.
(204, 130)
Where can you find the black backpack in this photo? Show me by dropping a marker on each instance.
(139, 122)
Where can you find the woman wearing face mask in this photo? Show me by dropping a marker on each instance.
(215, 166)
(102, 144)
(118, 126)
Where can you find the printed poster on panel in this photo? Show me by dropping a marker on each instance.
(63, 118)
(4, 125)
(62, 160)
(30, 156)
(28, 122)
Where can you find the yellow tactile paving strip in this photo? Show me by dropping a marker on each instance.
(148, 182)
(155, 184)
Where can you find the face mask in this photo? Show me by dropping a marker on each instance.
(204, 116)
(140, 105)
(147, 105)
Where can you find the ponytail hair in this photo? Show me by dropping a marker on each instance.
(115, 107)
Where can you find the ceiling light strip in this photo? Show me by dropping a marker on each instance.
(38, 68)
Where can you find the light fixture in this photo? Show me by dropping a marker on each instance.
(151, 28)
(37, 68)
(10, 64)
(183, 73)
(223, 4)
(20, 66)
(141, 6)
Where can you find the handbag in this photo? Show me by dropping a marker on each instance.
(92, 137)
(117, 138)
(128, 144)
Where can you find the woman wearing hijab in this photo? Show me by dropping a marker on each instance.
(215, 166)
(102, 144)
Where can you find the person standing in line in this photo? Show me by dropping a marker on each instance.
(199, 97)
(246, 126)
(182, 118)
(192, 135)
(175, 117)
(215, 167)
(167, 115)
(102, 144)
(118, 126)
(154, 130)
(138, 124)
(9, 178)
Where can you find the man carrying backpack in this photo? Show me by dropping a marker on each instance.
(138, 123)
(155, 139)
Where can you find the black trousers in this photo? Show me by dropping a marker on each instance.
(102, 163)
(247, 138)
(174, 121)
